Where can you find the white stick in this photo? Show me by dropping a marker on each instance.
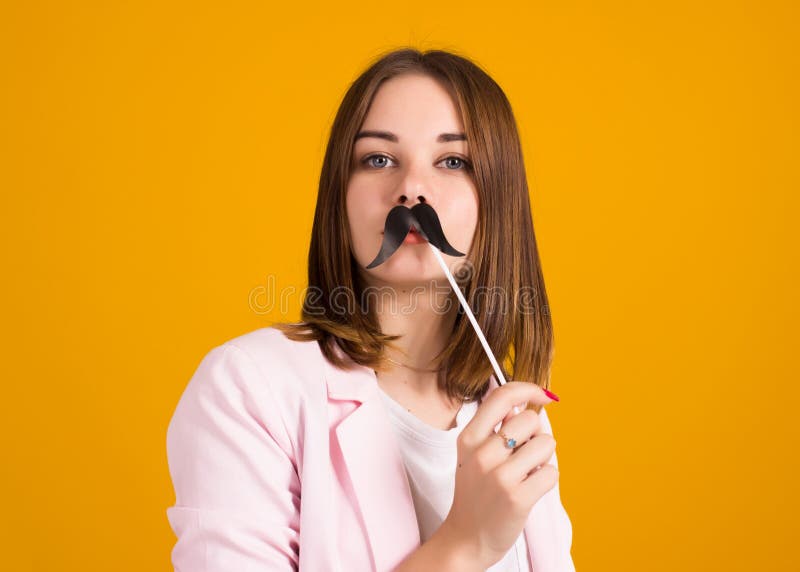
(498, 373)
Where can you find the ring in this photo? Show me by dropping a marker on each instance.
(509, 441)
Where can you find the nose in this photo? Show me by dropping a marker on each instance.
(403, 199)
(414, 184)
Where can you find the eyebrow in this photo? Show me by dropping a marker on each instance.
(388, 136)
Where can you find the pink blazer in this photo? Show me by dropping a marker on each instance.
(281, 461)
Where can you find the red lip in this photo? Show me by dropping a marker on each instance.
(412, 229)
(413, 237)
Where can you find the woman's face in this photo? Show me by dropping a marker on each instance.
(410, 160)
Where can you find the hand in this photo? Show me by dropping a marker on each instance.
(496, 487)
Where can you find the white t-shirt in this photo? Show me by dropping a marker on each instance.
(430, 457)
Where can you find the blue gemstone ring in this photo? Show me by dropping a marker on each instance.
(509, 441)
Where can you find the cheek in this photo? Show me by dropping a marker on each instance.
(354, 218)
(462, 221)
(363, 218)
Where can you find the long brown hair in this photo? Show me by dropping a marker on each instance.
(504, 257)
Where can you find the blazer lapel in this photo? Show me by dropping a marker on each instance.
(375, 466)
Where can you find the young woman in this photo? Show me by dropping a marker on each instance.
(372, 435)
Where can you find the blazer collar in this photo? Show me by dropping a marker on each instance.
(377, 470)
(375, 465)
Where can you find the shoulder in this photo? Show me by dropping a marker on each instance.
(258, 380)
(265, 361)
(276, 355)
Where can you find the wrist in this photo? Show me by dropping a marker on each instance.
(458, 554)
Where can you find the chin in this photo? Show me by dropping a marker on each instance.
(411, 275)
(410, 265)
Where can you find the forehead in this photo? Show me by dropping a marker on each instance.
(414, 106)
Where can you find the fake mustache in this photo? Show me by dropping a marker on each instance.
(401, 219)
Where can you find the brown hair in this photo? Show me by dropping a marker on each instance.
(504, 255)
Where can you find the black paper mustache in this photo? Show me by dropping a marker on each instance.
(401, 219)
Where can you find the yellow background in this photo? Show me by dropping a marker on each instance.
(159, 164)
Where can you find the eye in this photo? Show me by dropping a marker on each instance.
(379, 161)
(368, 160)
(459, 161)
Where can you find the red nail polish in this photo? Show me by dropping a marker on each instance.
(551, 395)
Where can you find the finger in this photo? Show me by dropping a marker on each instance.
(523, 426)
(498, 404)
(516, 410)
(520, 428)
(535, 452)
(538, 483)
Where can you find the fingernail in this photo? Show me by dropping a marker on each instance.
(551, 395)
(516, 410)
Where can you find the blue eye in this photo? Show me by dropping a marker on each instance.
(460, 162)
(368, 160)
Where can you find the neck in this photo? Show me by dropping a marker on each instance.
(424, 317)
